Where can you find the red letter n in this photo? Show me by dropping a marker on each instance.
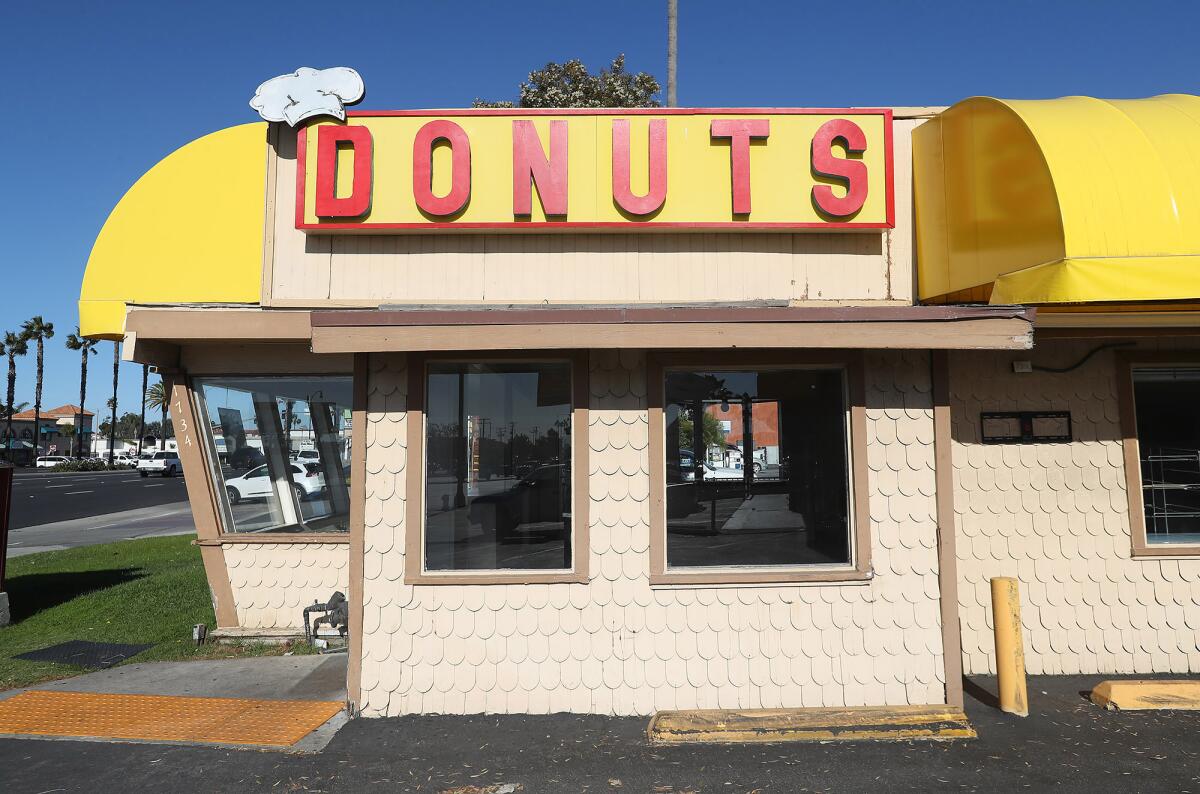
(532, 167)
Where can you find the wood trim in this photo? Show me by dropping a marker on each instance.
(277, 538)
(852, 361)
(163, 355)
(358, 527)
(943, 453)
(987, 334)
(203, 499)
(270, 191)
(219, 325)
(415, 477)
(1126, 361)
(567, 314)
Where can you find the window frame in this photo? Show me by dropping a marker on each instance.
(221, 508)
(414, 534)
(851, 362)
(1126, 362)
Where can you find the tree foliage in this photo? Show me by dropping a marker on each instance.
(714, 433)
(571, 85)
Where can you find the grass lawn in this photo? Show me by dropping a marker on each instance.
(149, 591)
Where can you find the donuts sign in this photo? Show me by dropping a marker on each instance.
(596, 170)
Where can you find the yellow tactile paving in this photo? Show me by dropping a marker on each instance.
(276, 723)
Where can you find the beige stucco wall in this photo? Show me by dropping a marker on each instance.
(618, 646)
(1056, 516)
(811, 267)
(273, 582)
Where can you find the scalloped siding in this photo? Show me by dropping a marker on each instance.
(272, 583)
(1056, 517)
(616, 646)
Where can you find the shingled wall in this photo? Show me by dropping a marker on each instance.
(1056, 517)
(273, 582)
(618, 646)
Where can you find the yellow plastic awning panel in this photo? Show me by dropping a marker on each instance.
(1073, 200)
(189, 231)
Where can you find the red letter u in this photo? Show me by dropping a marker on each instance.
(656, 194)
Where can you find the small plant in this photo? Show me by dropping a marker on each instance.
(88, 465)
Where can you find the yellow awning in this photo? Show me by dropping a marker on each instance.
(1073, 200)
(189, 231)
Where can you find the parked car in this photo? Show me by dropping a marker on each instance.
(165, 464)
(535, 498)
(256, 483)
(125, 459)
(247, 458)
(50, 461)
(307, 456)
(712, 472)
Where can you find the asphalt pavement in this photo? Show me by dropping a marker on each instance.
(45, 497)
(1066, 744)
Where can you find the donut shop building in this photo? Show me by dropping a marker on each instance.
(626, 411)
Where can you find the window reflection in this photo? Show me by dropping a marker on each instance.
(1168, 429)
(756, 468)
(281, 447)
(498, 466)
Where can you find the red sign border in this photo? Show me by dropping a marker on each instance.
(605, 226)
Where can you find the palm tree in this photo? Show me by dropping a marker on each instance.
(112, 403)
(35, 329)
(85, 346)
(157, 397)
(14, 345)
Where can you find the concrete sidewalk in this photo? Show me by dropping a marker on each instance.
(320, 677)
(143, 522)
(1066, 743)
(289, 704)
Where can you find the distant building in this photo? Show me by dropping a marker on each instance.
(55, 438)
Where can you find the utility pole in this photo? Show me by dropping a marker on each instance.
(672, 52)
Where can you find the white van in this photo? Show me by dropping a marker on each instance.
(50, 461)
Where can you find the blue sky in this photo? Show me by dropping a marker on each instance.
(99, 92)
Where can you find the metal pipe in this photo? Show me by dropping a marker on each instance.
(1010, 650)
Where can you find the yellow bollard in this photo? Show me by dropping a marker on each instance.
(1010, 651)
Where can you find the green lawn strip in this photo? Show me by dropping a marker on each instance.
(148, 591)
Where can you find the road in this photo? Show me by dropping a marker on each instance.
(43, 497)
(142, 522)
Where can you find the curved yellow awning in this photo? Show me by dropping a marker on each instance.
(189, 231)
(1073, 200)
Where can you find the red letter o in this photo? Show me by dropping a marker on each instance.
(460, 160)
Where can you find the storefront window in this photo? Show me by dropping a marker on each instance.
(757, 468)
(281, 449)
(498, 457)
(1168, 433)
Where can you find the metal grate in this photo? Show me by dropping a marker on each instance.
(84, 654)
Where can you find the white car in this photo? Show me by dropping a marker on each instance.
(125, 459)
(256, 483)
(50, 461)
(712, 472)
(165, 464)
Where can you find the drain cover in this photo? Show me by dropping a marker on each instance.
(84, 654)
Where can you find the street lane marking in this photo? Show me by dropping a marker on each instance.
(59, 486)
(155, 484)
(75, 493)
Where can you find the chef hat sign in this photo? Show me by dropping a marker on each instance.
(308, 92)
